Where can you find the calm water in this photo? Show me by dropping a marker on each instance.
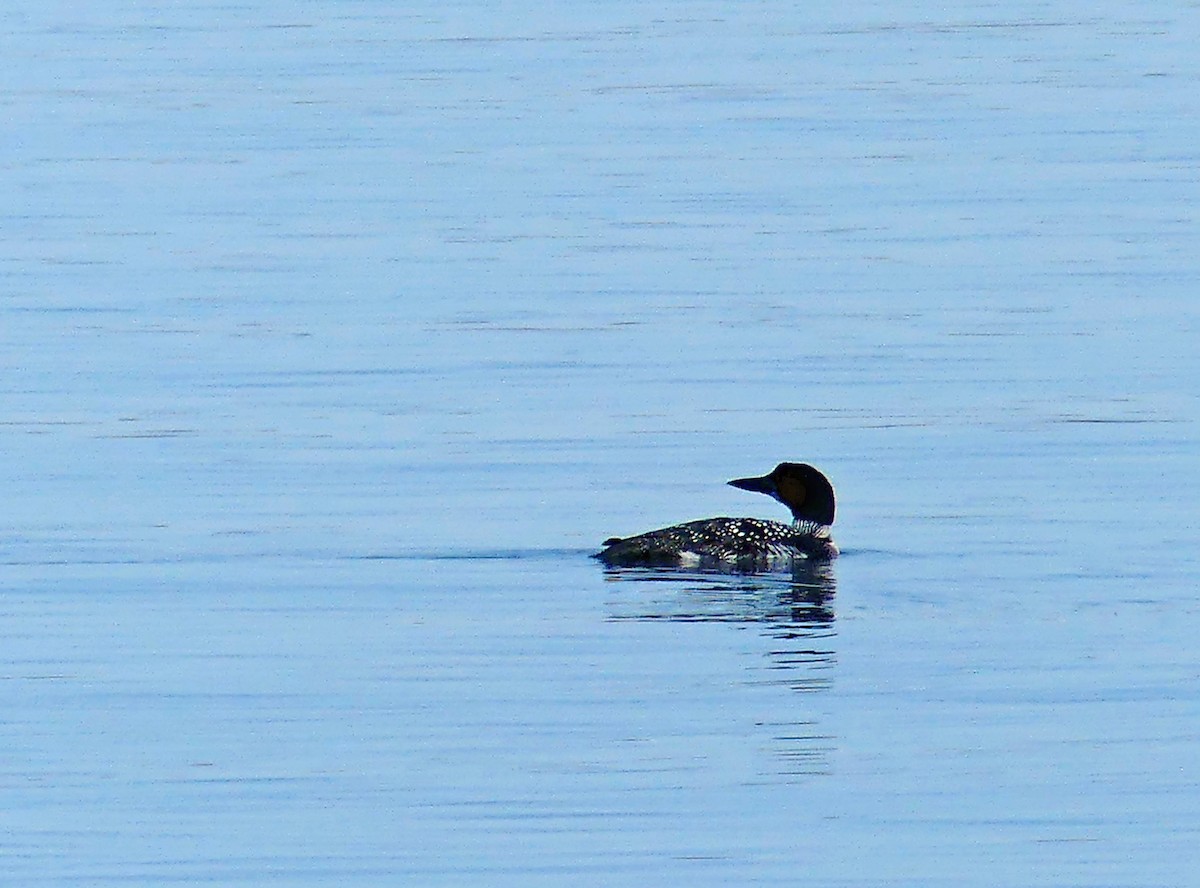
(334, 337)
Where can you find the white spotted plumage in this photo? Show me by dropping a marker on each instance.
(724, 540)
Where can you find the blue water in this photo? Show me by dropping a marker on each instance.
(334, 337)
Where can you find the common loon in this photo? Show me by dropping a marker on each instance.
(747, 542)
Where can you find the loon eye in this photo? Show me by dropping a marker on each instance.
(792, 491)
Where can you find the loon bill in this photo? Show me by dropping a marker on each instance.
(750, 541)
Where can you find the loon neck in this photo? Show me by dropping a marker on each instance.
(814, 539)
(808, 525)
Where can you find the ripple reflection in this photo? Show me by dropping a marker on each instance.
(795, 616)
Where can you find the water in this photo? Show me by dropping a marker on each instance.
(334, 338)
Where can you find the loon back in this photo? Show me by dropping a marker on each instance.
(748, 542)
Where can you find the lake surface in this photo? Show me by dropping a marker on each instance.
(335, 337)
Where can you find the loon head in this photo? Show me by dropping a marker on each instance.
(798, 486)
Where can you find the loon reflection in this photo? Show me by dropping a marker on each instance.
(801, 602)
(797, 622)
